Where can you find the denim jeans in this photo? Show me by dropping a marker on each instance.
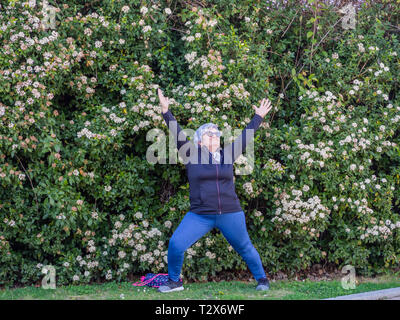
(193, 226)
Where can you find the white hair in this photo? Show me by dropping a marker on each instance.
(200, 131)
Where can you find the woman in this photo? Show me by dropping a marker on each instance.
(213, 200)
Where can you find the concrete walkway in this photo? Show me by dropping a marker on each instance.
(386, 294)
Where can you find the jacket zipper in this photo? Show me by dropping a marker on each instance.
(219, 200)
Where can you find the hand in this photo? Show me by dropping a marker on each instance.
(163, 101)
(264, 108)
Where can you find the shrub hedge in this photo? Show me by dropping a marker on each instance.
(78, 98)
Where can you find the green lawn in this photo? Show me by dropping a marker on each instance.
(285, 289)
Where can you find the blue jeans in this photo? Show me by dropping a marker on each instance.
(193, 226)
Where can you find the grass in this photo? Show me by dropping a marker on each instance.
(224, 290)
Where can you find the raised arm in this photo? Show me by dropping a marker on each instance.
(173, 125)
(238, 146)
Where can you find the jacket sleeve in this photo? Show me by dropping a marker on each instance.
(176, 129)
(238, 146)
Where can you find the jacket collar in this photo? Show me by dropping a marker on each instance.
(204, 149)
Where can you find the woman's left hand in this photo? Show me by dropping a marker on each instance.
(264, 108)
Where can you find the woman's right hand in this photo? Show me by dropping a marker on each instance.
(163, 101)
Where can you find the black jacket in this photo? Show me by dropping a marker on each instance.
(212, 190)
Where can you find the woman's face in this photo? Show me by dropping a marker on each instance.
(213, 142)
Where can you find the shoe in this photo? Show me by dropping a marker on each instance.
(263, 284)
(170, 286)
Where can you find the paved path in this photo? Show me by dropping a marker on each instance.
(386, 294)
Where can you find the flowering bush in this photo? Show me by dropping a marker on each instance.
(78, 98)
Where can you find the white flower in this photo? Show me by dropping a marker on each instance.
(147, 28)
(258, 213)
(248, 187)
(138, 215)
(167, 11)
(143, 10)
(168, 224)
(125, 9)
(117, 224)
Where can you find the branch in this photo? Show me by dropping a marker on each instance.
(290, 24)
(37, 203)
